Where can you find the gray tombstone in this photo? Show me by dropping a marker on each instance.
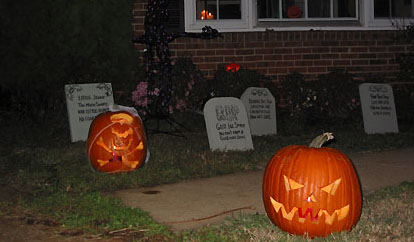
(378, 108)
(261, 110)
(84, 103)
(227, 124)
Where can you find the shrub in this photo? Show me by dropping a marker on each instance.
(297, 99)
(404, 93)
(189, 89)
(47, 44)
(406, 63)
(233, 84)
(331, 97)
(339, 95)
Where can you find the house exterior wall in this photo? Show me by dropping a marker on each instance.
(277, 53)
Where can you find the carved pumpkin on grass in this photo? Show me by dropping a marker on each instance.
(312, 190)
(117, 142)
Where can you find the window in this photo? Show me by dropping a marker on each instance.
(258, 15)
(224, 15)
(218, 9)
(389, 13)
(305, 10)
(393, 8)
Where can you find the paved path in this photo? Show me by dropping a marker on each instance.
(194, 203)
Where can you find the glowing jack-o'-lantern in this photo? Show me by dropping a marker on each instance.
(311, 190)
(206, 15)
(117, 142)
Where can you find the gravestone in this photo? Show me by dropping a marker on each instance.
(227, 124)
(84, 103)
(378, 108)
(261, 110)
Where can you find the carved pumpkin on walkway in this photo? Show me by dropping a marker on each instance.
(311, 190)
(117, 142)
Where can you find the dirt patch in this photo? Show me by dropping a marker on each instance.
(16, 225)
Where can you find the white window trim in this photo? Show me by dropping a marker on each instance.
(249, 21)
(382, 23)
(226, 25)
(306, 18)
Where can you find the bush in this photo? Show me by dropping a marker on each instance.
(339, 95)
(332, 97)
(404, 92)
(233, 84)
(189, 89)
(47, 44)
(406, 63)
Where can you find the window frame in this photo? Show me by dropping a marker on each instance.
(364, 21)
(385, 23)
(309, 19)
(192, 24)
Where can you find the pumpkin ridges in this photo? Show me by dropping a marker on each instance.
(331, 164)
(268, 187)
(121, 148)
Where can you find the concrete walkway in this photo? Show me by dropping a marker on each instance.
(195, 203)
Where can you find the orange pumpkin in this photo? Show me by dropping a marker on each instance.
(117, 142)
(309, 190)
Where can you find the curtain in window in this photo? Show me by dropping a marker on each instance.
(319, 9)
(393, 8)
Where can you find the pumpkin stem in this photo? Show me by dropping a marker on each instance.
(320, 140)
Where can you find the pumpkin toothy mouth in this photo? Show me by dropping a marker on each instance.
(329, 218)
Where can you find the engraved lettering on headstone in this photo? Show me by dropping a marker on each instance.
(227, 124)
(84, 103)
(261, 110)
(378, 108)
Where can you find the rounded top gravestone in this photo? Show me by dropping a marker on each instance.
(227, 124)
(378, 108)
(261, 110)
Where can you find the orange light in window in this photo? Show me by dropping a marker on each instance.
(206, 15)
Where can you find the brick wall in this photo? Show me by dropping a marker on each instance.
(276, 53)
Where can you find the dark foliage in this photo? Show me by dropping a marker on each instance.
(332, 97)
(404, 92)
(233, 84)
(49, 43)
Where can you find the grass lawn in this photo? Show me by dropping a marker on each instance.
(53, 178)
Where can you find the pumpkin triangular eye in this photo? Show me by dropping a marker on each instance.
(291, 184)
(331, 188)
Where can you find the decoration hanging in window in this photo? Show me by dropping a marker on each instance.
(206, 15)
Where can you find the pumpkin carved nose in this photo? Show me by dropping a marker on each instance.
(311, 198)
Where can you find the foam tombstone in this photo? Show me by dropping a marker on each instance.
(117, 141)
(312, 190)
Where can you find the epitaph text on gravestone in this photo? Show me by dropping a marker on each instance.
(227, 124)
(261, 110)
(378, 108)
(84, 103)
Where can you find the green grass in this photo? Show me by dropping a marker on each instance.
(387, 215)
(53, 177)
(49, 165)
(93, 212)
